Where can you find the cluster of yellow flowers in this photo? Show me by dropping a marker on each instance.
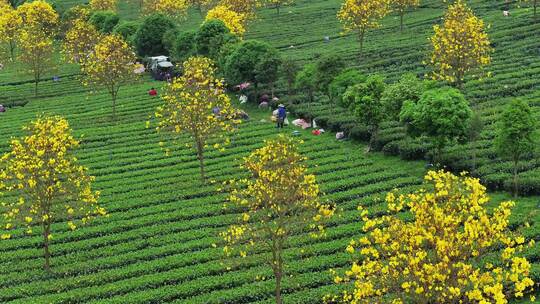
(80, 41)
(103, 5)
(10, 22)
(111, 64)
(234, 21)
(171, 8)
(244, 7)
(190, 102)
(31, 27)
(38, 16)
(278, 199)
(44, 179)
(362, 15)
(459, 45)
(437, 257)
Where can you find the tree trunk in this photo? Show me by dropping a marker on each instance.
(277, 266)
(256, 86)
(474, 158)
(401, 21)
(113, 96)
(278, 288)
(361, 39)
(289, 87)
(437, 156)
(36, 83)
(47, 254)
(277, 8)
(200, 156)
(372, 138)
(515, 178)
(12, 50)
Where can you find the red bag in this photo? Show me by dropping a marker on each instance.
(316, 132)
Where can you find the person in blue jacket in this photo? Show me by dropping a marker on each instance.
(282, 114)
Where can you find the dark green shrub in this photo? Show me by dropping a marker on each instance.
(328, 67)
(305, 80)
(441, 114)
(149, 37)
(126, 29)
(169, 38)
(408, 88)
(104, 21)
(343, 81)
(245, 63)
(184, 46)
(211, 36)
(360, 132)
(410, 149)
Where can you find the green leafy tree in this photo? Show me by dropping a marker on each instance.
(364, 100)
(149, 37)
(169, 38)
(104, 21)
(184, 46)
(127, 30)
(245, 63)
(343, 81)
(267, 69)
(210, 37)
(476, 126)
(328, 67)
(409, 87)
(289, 69)
(440, 114)
(305, 81)
(516, 135)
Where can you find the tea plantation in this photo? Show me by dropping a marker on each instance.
(158, 243)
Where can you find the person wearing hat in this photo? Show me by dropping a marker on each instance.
(282, 114)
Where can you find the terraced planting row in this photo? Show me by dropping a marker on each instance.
(516, 62)
(156, 245)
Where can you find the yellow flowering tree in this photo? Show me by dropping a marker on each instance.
(38, 16)
(110, 65)
(278, 199)
(171, 8)
(10, 22)
(36, 53)
(401, 6)
(246, 7)
(362, 15)
(35, 38)
(278, 4)
(235, 22)
(80, 41)
(196, 104)
(45, 183)
(438, 256)
(103, 5)
(459, 45)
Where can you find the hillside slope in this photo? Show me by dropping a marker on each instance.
(156, 246)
